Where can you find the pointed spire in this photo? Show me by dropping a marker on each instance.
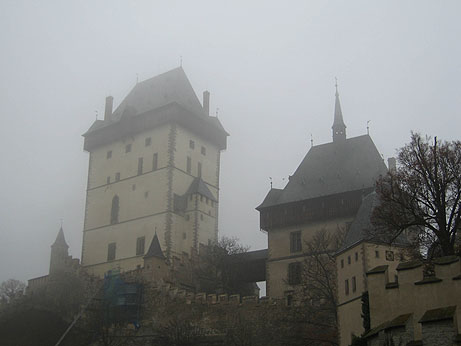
(155, 250)
(339, 128)
(60, 240)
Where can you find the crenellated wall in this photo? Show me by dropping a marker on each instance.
(411, 292)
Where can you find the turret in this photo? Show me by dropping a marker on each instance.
(59, 253)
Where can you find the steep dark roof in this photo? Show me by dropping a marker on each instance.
(155, 250)
(166, 89)
(60, 240)
(362, 229)
(199, 186)
(332, 168)
(171, 86)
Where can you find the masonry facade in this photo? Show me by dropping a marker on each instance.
(153, 169)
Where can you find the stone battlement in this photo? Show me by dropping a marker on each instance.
(414, 292)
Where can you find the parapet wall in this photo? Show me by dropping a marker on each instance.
(413, 292)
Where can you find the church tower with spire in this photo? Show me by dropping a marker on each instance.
(153, 170)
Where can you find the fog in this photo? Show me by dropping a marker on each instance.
(270, 68)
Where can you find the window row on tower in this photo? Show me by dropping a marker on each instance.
(112, 248)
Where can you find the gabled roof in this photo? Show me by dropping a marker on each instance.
(60, 240)
(155, 250)
(199, 186)
(332, 168)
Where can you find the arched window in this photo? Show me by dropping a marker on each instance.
(114, 210)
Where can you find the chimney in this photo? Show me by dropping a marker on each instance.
(392, 164)
(108, 110)
(206, 102)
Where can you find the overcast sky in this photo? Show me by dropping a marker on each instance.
(270, 68)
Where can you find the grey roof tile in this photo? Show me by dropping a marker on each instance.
(333, 168)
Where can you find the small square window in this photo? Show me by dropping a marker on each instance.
(140, 242)
(342, 263)
(346, 287)
(199, 169)
(189, 165)
(295, 241)
(108, 180)
(294, 273)
(111, 251)
(155, 162)
(117, 176)
(109, 154)
(356, 256)
(127, 148)
(348, 259)
(191, 144)
(354, 284)
(148, 141)
(140, 164)
(376, 253)
(203, 151)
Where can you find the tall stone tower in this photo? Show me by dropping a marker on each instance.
(153, 168)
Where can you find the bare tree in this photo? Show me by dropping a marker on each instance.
(422, 196)
(10, 289)
(215, 265)
(319, 286)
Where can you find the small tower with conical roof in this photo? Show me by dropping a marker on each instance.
(339, 128)
(60, 258)
(155, 266)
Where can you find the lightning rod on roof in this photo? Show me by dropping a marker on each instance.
(312, 141)
(270, 179)
(368, 127)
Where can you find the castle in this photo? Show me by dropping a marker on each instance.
(153, 198)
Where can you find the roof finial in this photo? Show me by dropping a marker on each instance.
(368, 127)
(312, 141)
(217, 111)
(96, 114)
(336, 86)
(270, 179)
